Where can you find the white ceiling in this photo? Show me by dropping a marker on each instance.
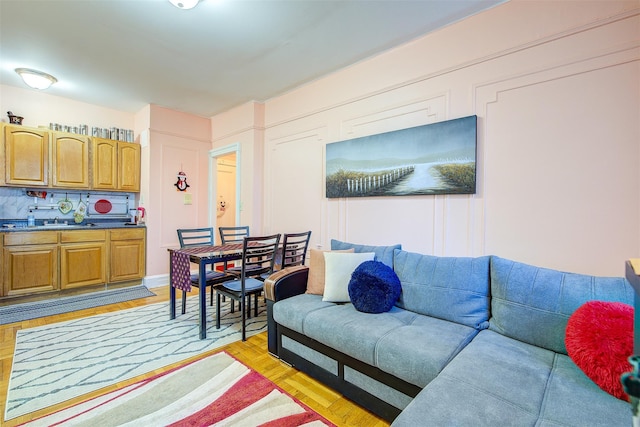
(125, 54)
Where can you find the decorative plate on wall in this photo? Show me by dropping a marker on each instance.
(103, 206)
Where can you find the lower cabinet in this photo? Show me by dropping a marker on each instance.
(83, 258)
(44, 261)
(127, 260)
(30, 263)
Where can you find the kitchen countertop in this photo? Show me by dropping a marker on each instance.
(97, 225)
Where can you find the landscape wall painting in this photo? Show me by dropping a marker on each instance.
(438, 158)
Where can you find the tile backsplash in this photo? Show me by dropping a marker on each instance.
(15, 204)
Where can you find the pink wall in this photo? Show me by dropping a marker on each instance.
(555, 86)
(176, 142)
(244, 127)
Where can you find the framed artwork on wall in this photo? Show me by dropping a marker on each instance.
(438, 158)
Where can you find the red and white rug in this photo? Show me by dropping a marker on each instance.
(216, 390)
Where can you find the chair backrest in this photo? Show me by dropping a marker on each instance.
(233, 234)
(195, 236)
(294, 248)
(259, 255)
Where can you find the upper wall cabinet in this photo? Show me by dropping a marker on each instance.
(70, 160)
(26, 156)
(105, 164)
(128, 166)
(32, 157)
(116, 165)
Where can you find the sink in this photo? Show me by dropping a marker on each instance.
(59, 225)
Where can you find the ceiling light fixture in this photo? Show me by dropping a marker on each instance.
(184, 4)
(36, 79)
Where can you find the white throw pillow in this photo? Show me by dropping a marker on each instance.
(338, 269)
(315, 282)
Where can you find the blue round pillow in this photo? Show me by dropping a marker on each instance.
(374, 287)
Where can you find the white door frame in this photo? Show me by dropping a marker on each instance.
(213, 180)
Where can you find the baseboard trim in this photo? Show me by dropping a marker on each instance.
(156, 281)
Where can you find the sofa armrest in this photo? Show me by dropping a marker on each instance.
(282, 284)
(286, 283)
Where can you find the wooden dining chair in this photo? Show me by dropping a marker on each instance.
(294, 249)
(258, 259)
(190, 237)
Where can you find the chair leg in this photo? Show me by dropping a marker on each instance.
(244, 316)
(249, 307)
(255, 305)
(184, 302)
(211, 298)
(217, 310)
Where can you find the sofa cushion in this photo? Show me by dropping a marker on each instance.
(338, 270)
(599, 340)
(292, 312)
(315, 282)
(449, 288)
(533, 304)
(374, 287)
(496, 380)
(352, 332)
(383, 253)
(418, 351)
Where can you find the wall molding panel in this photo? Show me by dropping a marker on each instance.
(419, 112)
(550, 107)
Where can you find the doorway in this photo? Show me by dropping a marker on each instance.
(226, 191)
(224, 186)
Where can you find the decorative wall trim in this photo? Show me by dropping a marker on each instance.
(430, 110)
(314, 136)
(238, 132)
(467, 64)
(489, 92)
(179, 135)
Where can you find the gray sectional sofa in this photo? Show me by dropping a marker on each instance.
(470, 342)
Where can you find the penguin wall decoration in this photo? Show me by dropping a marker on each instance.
(182, 184)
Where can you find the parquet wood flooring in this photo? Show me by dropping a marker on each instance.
(253, 352)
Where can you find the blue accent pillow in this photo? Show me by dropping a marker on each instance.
(374, 287)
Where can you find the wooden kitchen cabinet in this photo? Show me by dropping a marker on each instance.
(35, 157)
(128, 166)
(127, 254)
(105, 164)
(116, 165)
(70, 160)
(50, 260)
(83, 258)
(25, 154)
(30, 263)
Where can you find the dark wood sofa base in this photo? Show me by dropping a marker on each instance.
(338, 382)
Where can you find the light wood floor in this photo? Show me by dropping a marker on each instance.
(252, 352)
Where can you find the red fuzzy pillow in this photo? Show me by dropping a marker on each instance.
(599, 339)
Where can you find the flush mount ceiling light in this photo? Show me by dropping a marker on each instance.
(184, 4)
(36, 79)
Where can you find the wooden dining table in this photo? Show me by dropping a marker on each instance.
(180, 274)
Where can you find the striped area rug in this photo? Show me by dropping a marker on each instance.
(61, 361)
(216, 390)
